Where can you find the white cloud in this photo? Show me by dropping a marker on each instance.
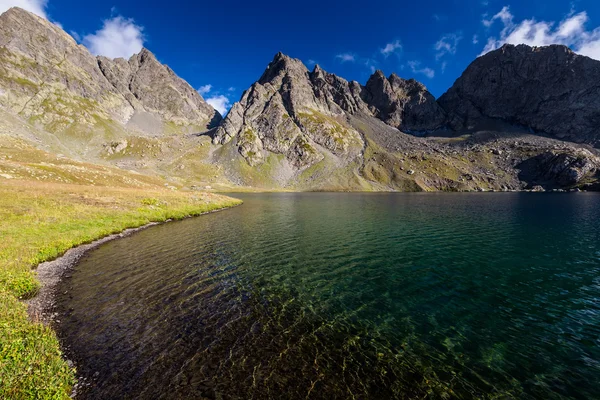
(415, 67)
(204, 89)
(219, 103)
(391, 48)
(443, 67)
(346, 57)
(231, 89)
(475, 39)
(503, 15)
(592, 47)
(35, 6)
(311, 62)
(119, 37)
(573, 25)
(447, 44)
(571, 31)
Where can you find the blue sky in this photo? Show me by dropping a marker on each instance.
(221, 48)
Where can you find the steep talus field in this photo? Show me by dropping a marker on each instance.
(518, 118)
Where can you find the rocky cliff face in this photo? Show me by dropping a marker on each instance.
(50, 80)
(549, 89)
(46, 76)
(403, 104)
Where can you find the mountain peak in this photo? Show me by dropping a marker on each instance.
(17, 18)
(281, 60)
(144, 55)
(145, 52)
(20, 11)
(519, 50)
(378, 74)
(280, 56)
(281, 65)
(28, 32)
(151, 86)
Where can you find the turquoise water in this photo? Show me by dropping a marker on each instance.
(366, 296)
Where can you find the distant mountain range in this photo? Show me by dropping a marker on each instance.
(518, 118)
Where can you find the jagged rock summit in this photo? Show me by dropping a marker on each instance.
(55, 83)
(283, 113)
(403, 104)
(153, 87)
(549, 89)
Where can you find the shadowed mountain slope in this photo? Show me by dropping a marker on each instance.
(548, 89)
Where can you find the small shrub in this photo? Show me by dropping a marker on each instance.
(150, 201)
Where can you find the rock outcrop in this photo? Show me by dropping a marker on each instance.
(547, 89)
(553, 169)
(403, 104)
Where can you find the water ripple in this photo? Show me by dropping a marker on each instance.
(339, 296)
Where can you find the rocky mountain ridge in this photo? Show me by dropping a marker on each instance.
(49, 79)
(294, 120)
(290, 110)
(305, 130)
(150, 86)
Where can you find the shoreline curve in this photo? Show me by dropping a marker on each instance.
(50, 274)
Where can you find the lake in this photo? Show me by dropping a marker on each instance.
(339, 296)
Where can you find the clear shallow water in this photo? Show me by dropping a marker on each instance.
(366, 296)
